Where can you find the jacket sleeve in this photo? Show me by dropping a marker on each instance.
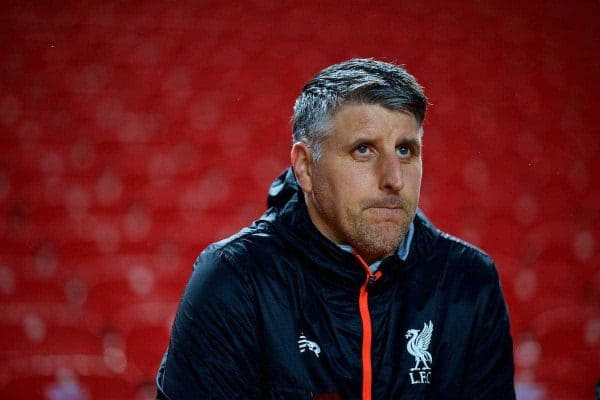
(490, 370)
(212, 351)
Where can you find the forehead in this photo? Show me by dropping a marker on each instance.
(372, 121)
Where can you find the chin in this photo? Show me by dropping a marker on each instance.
(375, 241)
(376, 248)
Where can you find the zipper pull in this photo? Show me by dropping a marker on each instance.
(374, 277)
(370, 276)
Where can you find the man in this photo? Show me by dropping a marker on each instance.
(342, 289)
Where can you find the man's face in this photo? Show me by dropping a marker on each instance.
(364, 189)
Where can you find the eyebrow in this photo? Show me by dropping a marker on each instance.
(416, 143)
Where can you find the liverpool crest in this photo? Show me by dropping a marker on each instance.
(418, 347)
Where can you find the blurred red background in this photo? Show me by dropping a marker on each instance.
(135, 133)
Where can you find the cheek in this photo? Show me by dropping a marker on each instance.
(338, 192)
(333, 177)
(341, 186)
(413, 177)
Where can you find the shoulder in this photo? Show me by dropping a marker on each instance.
(235, 259)
(467, 253)
(459, 258)
(220, 282)
(241, 249)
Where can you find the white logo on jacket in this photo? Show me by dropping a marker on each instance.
(305, 344)
(417, 346)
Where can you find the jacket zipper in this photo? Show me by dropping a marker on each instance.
(365, 317)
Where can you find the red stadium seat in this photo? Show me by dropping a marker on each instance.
(145, 347)
(26, 387)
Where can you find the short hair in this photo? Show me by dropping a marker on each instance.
(358, 81)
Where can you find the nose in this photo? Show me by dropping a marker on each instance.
(391, 176)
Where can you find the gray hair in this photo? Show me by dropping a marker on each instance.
(358, 81)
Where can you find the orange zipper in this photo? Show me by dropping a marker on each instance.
(365, 316)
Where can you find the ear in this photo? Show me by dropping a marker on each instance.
(302, 163)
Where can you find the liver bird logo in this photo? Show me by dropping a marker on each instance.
(418, 344)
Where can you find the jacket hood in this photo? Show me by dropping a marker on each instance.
(282, 189)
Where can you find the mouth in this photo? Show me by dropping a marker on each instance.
(386, 206)
(390, 213)
(387, 210)
(390, 203)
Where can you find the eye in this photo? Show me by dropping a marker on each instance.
(403, 151)
(362, 149)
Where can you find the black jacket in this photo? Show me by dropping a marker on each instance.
(280, 312)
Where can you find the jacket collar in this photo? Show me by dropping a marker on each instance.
(402, 251)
